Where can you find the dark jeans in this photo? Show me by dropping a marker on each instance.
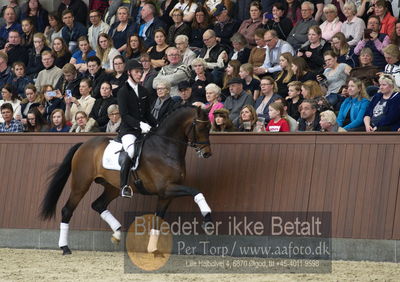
(335, 100)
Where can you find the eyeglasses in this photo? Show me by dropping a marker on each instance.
(161, 88)
(206, 39)
(118, 64)
(114, 114)
(268, 40)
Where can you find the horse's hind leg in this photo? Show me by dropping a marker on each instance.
(79, 186)
(100, 205)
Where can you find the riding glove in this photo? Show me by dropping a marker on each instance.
(145, 127)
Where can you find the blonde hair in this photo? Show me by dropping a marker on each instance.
(313, 88)
(328, 116)
(360, 85)
(295, 84)
(212, 87)
(248, 68)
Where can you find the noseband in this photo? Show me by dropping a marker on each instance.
(193, 141)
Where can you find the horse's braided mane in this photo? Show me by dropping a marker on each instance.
(174, 110)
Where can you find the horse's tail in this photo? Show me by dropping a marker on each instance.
(57, 183)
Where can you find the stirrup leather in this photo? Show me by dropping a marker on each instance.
(127, 191)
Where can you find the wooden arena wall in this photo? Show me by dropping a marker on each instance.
(355, 176)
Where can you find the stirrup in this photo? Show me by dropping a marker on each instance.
(126, 191)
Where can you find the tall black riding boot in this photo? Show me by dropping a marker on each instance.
(126, 165)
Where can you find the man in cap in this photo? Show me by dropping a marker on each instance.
(185, 92)
(238, 99)
(136, 118)
(225, 26)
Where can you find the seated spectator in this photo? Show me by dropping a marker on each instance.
(11, 23)
(29, 30)
(99, 110)
(286, 75)
(257, 54)
(174, 72)
(375, 41)
(96, 74)
(293, 11)
(332, 24)
(54, 29)
(392, 57)
(37, 14)
(250, 84)
(366, 72)
(7, 122)
(98, 27)
(268, 96)
(353, 108)
(157, 52)
(309, 116)
(35, 64)
(51, 74)
(165, 9)
(212, 95)
(80, 57)
(19, 79)
(182, 44)
(225, 26)
(115, 119)
(201, 23)
(388, 22)
(214, 54)
(274, 48)
(78, 7)
(85, 103)
(148, 75)
(239, 52)
(185, 93)
(70, 80)
(221, 122)
(298, 34)
(152, 23)
(135, 8)
(279, 22)
(237, 100)
(83, 123)
(383, 112)
(301, 70)
(11, 4)
(311, 90)
(231, 71)
(335, 77)
(290, 120)
(134, 47)
(58, 121)
(395, 36)
(10, 96)
(249, 26)
(164, 103)
(188, 8)
(353, 27)
(278, 122)
(294, 99)
(119, 77)
(51, 102)
(179, 27)
(72, 30)
(343, 51)
(106, 52)
(15, 51)
(201, 78)
(36, 121)
(211, 5)
(60, 49)
(31, 101)
(99, 5)
(328, 122)
(120, 30)
(313, 50)
(248, 119)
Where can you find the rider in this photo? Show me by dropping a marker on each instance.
(134, 107)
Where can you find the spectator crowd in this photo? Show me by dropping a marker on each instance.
(256, 66)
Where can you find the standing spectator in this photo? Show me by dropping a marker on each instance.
(37, 14)
(106, 52)
(134, 47)
(14, 49)
(178, 28)
(157, 52)
(60, 49)
(238, 99)
(120, 30)
(225, 26)
(332, 24)
(119, 77)
(8, 123)
(182, 44)
(374, 40)
(72, 30)
(298, 34)
(115, 119)
(201, 78)
(268, 96)
(342, 49)
(257, 54)
(96, 74)
(54, 29)
(5, 70)
(97, 27)
(201, 23)
(70, 80)
(387, 21)
(249, 26)
(51, 73)
(80, 57)
(188, 7)
(174, 72)
(10, 96)
(240, 51)
(35, 64)
(58, 121)
(11, 23)
(78, 7)
(85, 103)
(19, 78)
(212, 95)
(353, 27)
(99, 110)
(281, 24)
(309, 116)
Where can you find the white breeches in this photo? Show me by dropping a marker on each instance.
(128, 141)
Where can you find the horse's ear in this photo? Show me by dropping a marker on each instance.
(203, 112)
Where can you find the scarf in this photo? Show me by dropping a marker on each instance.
(157, 107)
(113, 127)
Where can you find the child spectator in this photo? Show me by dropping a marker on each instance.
(58, 121)
(277, 123)
(294, 99)
(250, 84)
(19, 78)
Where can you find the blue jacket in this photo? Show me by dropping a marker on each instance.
(357, 110)
(392, 110)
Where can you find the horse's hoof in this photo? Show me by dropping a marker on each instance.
(66, 250)
(158, 254)
(208, 218)
(115, 241)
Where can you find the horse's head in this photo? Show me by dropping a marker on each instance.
(198, 134)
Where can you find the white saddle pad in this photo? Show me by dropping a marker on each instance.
(110, 158)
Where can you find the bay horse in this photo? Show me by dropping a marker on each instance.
(161, 169)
